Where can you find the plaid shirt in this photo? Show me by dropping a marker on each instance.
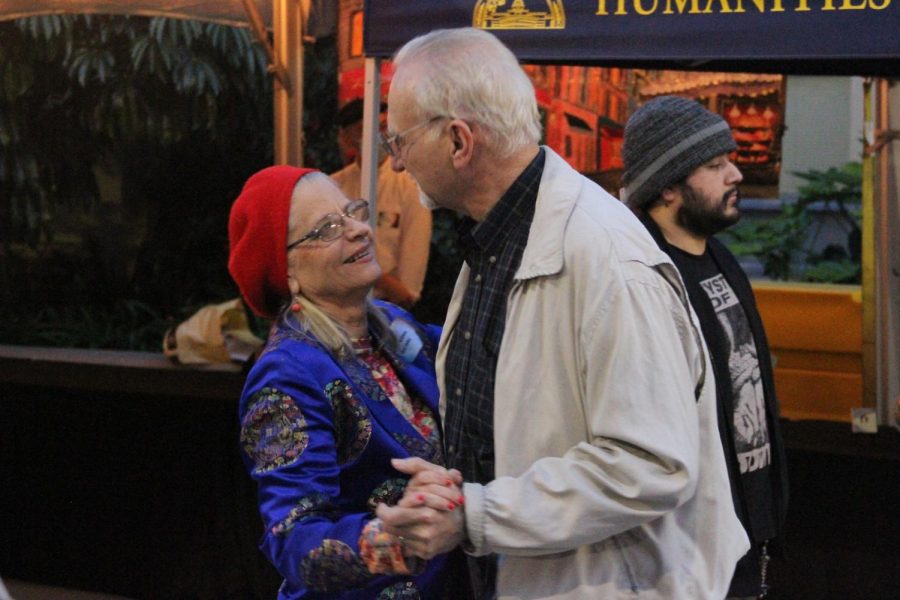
(493, 250)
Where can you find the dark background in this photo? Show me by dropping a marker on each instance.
(127, 479)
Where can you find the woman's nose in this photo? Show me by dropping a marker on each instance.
(354, 229)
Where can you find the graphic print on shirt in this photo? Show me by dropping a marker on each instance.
(750, 430)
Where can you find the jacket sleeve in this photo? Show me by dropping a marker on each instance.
(288, 443)
(638, 361)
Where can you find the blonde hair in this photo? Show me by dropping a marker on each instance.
(314, 323)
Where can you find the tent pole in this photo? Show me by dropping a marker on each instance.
(287, 27)
(371, 126)
(869, 354)
(888, 332)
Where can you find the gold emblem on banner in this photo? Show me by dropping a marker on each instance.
(489, 14)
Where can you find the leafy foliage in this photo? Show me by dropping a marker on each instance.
(123, 142)
(78, 89)
(320, 106)
(127, 325)
(786, 241)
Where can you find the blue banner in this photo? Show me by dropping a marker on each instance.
(815, 36)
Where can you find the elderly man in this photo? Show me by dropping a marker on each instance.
(573, 376)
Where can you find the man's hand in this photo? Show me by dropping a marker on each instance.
(424, 531)
(430, 516)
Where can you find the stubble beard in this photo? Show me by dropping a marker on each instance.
(426, 200)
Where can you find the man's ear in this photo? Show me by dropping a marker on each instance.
(670, 194)
(463, 140)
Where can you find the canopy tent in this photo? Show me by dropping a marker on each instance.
(853, 37)
(834, 37)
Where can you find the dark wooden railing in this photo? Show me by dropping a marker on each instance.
(120, 473)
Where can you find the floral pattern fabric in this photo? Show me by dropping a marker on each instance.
(353, 427)
(273, 430)
(318, 432)
(403, 590)
(333, 567)
(388, 492)
(307, 507)
(413, 409)
(382, 552)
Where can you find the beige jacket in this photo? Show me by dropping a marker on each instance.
(610, 479)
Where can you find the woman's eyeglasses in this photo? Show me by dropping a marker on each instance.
(331, 226)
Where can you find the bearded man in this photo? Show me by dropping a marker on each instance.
(683, 186)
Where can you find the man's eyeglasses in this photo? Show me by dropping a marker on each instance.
(331, 226)
(392, 143)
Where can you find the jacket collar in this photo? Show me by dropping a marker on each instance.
(558, 193)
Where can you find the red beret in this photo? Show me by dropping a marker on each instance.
(257, 236)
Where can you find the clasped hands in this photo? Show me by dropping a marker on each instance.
(430, 517)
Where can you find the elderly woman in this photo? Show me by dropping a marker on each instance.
(344, 385)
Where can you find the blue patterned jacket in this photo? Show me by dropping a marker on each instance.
(317, 436)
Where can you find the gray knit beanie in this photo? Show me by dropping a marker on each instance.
(665, 140)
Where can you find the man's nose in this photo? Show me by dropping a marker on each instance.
(397, 163)
(735, 175)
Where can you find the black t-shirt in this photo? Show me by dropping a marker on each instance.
(750, 427)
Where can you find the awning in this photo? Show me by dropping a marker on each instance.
(225, 12)
(704, 85)
(855, 37)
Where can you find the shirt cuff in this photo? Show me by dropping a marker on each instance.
(475, 544)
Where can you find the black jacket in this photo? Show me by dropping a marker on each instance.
(747, 571)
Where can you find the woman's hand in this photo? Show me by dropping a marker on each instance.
(430, 485)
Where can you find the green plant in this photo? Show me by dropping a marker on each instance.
(784, 244)
(130, 136)
(123, 142)
(126, 325)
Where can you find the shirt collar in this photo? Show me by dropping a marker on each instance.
(515, 206)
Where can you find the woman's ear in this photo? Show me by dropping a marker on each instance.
(293, 285)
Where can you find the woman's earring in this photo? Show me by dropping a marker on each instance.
(295, 306)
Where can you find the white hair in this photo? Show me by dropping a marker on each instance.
(311, 320)
(314, 323)
(469, 74)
